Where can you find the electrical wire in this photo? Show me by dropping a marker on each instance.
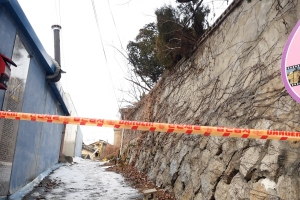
(99, 32)
(98, 27)
(112, 16)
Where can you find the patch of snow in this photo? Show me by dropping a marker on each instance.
(77, 159)
(268, 184)
(35, 194)
(86, 179)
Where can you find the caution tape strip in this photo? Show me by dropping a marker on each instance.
(159, 127)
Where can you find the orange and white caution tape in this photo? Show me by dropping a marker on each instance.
(159, 127)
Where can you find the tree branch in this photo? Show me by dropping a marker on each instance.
(138, 84)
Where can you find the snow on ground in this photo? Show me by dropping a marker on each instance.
(86, 179)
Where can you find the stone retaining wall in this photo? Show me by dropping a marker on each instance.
(233, 79)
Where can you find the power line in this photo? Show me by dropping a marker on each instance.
(98, 27)
(114, 23)
(99, 32)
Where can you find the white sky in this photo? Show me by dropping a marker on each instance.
(94, 82)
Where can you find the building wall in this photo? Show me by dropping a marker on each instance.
(8, 128)
(117, 137)
(73, 136)
(70, 140)
(34, 140)
(7, 38)
(36, 146)
(79, 139)
(78, 145)
(86, 152)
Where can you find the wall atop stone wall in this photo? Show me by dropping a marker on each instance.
(233, 79)
(117, 137)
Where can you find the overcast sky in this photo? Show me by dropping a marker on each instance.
(95, 72)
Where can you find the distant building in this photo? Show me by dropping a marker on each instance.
(94, 151)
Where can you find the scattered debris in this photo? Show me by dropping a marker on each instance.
(151, 193)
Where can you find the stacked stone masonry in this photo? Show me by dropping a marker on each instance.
(232, 79)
